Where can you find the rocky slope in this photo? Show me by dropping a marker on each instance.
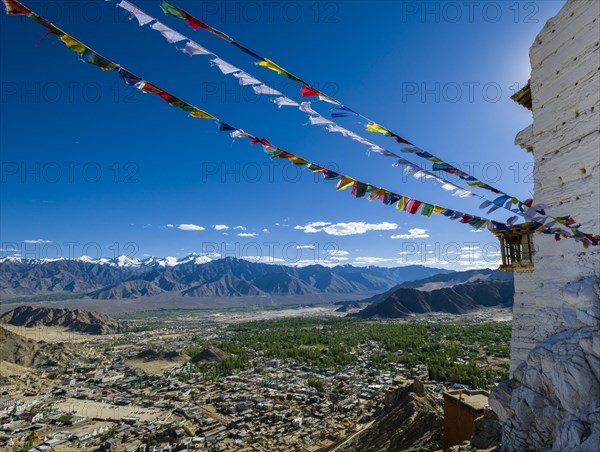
(459, 299)
(210, 354)
(437, 281)
(412, 421)
(552, 401)
(73, 320)
(18, 350)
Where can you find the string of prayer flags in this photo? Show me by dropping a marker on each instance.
(360, 189)
(193, 48)
(307, 91)
(194, 23)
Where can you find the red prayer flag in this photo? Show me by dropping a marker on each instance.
(153, 89)
(167, 97)
(194, 23)
(401, 140)
(262, 141)
(308, 92)
(14, 8)
(413, 206)
(466, 218)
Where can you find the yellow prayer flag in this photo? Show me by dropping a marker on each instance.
(297, 160)
(345, 182)
(73, 44)
(197, 113)
(376, 128)
(438, 209)
(270, 65)
(401, 204)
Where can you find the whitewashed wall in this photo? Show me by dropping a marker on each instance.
(552, 400)
(565, 62)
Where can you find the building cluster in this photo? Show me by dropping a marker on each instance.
(109, 401)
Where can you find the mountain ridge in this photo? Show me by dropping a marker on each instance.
(72, 319)
(194, 276)
(459, 299)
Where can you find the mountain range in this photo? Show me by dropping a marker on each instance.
(193, 276)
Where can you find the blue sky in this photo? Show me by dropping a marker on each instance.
(91, 166)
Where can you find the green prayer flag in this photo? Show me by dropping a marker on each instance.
(427, 210)
(172, 10)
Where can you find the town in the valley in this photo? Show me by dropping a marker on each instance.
(165, 385)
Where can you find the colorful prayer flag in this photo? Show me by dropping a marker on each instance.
(171, 10)
(341, 112)
(427, 210)
(376, 128)
(308, 92)
(14, 8)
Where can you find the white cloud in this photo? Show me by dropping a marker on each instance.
(358, 228)
(315, 226)
(241, 228)
(415, 233)
(475, 230)
(37, 241)
(341, 229)
(371, 260)
(337, 253)
(190, 227)
(264, 259)
(305, 247)
(247, 234)
(265, 230)
(169, 225)
(220, 227)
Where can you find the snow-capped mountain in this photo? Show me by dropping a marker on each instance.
(119, 261)
(192, 276)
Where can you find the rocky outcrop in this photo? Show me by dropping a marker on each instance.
(412, 420)
(553, 400)
(458, 299)
(76, 320)
(25, 352)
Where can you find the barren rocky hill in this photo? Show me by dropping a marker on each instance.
(412, 421)
(74, 320)
(18, 350)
